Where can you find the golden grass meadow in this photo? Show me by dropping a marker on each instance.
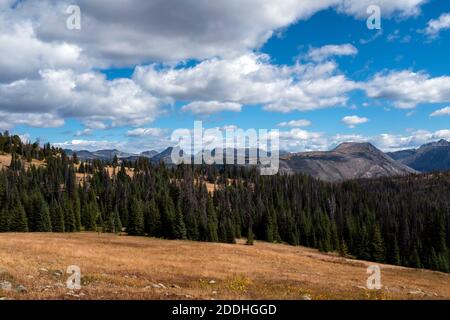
(125, 267)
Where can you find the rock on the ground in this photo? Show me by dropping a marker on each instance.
(155, 286)
(5, 285)
(58, 273)
(21, 289)
(417, 292)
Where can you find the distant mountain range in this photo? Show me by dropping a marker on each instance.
(430, 157)
(108, 155)
(347, 161)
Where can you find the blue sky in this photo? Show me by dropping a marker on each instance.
(387, 87)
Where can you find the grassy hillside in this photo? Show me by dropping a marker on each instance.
(122, 267)
(5, 161)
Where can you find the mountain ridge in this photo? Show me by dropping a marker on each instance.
(433, 156)
(108, 154)
(348, 160)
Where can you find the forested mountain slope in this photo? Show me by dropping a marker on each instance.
(402, 220)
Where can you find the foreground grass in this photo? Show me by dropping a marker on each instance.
(122, 267)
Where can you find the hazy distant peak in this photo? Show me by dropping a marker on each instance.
(440, 143)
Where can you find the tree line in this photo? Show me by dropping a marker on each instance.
(401, 220)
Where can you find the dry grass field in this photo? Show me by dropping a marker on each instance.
(5, 161)
(123, 267)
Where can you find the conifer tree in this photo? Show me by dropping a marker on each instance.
(434, 260)
(70, 224)
(112, 223)
(250, 236)
(377, 246)
(212, 235)
(335, 243)
(415, 259)
(152, 219)
(57, 217)
(4, 220)
(230, 236)
(364, 245)
(90, 212)
(135, 225)
(396, 254)
(180, 227)
(39, 216)
(167, 217)
(18, 222)
(117, 224)
(443, 264)
(343, 249)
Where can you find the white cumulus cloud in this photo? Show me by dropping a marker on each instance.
(353, 121)
(407, 88)
(441, 112)
(211, 107)
(295, 123)
(250, 79)
(135, 31)
(325, 52)
(22, 54)
(435, 26)
(146, 132)
(87, 96)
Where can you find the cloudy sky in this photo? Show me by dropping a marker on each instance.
(137, 70)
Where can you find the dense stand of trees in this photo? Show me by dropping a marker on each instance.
(404, 220)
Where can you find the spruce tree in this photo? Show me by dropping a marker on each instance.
(212, 223)
(152, 219)
(18, 222)
(112, 223)
(434, 260)
(57, 217)
(4, 221)
(40, 214)
(377, 246)
(117, 224)
(135, 225)
(230, 236)
(250, 236)
(180, 227)
(364, 245)
(90, 212)
(70, 224)
(343, 249)
(415, 258)
(167, 217)
(443, 264)
(396, 254)
(335, 244)
(76, 207)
